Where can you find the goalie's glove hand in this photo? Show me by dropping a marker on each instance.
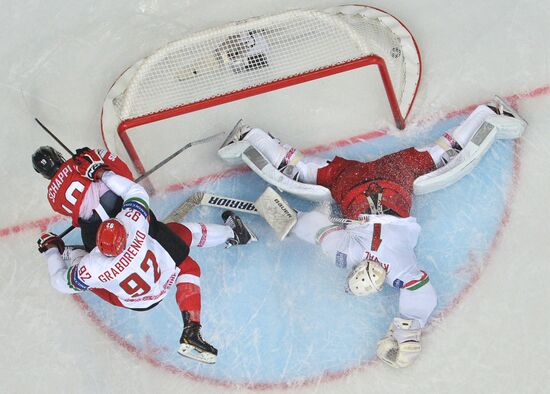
(401, 345)
(90, 164)
(50, 240)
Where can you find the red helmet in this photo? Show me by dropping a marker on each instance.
(111, 237)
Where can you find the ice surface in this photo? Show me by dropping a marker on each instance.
(275, 310)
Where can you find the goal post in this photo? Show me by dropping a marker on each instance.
(258, 55)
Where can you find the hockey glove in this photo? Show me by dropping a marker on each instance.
(88, 163)
(401, 345)
(48, 241)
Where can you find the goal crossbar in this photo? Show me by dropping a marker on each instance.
(245, 70)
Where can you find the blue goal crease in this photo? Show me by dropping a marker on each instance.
(277, 311)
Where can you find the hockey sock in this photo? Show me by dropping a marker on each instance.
(208, 235)
(308, 167)
(188, 297)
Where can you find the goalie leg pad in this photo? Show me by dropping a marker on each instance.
(265, 170)
(460, 165)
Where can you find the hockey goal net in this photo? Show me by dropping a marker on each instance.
(258, 55)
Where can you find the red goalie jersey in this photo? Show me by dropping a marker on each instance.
(71, 194)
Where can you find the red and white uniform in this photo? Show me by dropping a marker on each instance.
(71, 194)
(143, 273)
(352, 182)
(387, 239)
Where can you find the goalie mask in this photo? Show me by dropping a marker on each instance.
(366, 278)
(46, 161)
(111, 238)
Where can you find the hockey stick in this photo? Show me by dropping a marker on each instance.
(54, 137)
(212, 200)
(152, 170)
(234, 204)
(176, 153)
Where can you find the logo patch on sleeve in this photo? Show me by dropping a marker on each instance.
(341, 260)
(74, 281)
(136, 206)
(398, 283)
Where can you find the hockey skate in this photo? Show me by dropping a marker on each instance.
(233, 146)
(509, 123)
(193, 346)
(242, 234)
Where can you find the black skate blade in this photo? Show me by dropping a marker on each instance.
(194, 353)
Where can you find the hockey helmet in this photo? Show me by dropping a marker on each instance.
(111, 237)
(46, 161)
(366, 278)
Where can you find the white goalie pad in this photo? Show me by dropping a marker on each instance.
(508, 127)
(265, 170)
(461, 165)
(276, 212)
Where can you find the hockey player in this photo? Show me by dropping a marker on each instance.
(128, 268)
(87, 203)
(377, 244)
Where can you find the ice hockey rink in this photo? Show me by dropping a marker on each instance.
(277, 311)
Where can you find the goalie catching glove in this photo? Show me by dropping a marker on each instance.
(48, 241)
(401, 345)
(89, 163)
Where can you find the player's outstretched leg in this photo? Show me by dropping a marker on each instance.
(242, 234)
(192, 344)
(457, 153)
(268, 158)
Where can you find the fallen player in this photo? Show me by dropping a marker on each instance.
(377, 245)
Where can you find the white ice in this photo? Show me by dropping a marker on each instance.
(58, 60)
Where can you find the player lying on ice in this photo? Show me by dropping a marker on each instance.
(378, 246)
(130, 269)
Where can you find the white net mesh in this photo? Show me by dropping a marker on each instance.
(258, 51)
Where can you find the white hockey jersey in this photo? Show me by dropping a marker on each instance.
(140, 276)
(387, 239)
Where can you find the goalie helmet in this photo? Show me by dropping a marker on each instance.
(46, 161)
(366, 278)
(111, 237)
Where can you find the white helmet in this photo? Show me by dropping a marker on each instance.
(366, 278)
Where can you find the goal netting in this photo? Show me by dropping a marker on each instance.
(258, 55)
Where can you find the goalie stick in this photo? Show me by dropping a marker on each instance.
(272, 207)
(281, 221)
